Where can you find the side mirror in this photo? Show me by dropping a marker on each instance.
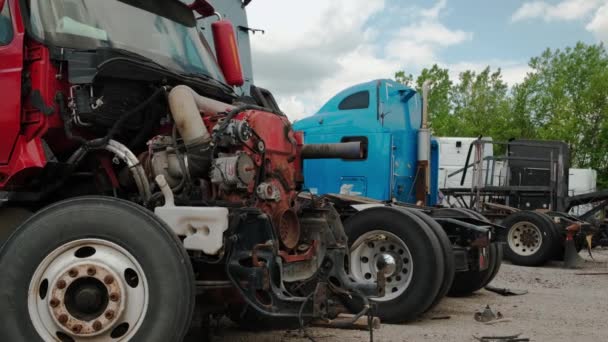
(227, 52)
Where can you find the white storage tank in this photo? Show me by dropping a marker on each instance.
(581, 181)
(453, 156)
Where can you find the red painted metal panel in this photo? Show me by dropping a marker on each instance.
(11, 66)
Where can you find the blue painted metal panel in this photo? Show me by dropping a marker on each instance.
(404, 166)
(370, 176)
(433, 198)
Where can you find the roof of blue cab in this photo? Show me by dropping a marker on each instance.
(331, 106)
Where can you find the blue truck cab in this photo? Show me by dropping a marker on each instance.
(385, 116)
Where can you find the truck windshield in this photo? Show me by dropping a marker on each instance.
(125, 25)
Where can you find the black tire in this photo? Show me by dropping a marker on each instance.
(425, 250)
(10, 219)
(500, 252)
(468, 282)
(550, 238)
(448, 256)
(163, 259)
(579, 244)
(497, 262)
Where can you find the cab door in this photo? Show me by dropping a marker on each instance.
(11, 66)
(351, 117)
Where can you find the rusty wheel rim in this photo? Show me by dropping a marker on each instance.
(88, 290)
(525, 238)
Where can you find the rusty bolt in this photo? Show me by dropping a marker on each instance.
(73, 273)
(109, 314)
(91, 271)
(61, 284)
(77, 328)
(97, 325)
(108, 279)
(63, 319)
(54, 302)
(114, 297)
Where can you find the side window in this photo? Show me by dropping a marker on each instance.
(358, 100)
(6, 25)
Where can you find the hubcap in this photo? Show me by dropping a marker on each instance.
(525, 238)
(86, 298)
(387, 264)
(381, 251)
(91, 290)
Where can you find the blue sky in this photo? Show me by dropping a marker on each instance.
(315, 48)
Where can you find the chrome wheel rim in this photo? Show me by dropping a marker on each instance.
(525, 238)
(88, 290)
(382, 251)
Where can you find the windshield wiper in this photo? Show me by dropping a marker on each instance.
(134, 55)
(206, 77)
(202, 76)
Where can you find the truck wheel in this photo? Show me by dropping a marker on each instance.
(10, 219)
(448, 256)
(408, 251)
(561, 250)
(468, 282)
(531, 238)
(496, 262)
(500, 252)
(95, 269)
(465, 283)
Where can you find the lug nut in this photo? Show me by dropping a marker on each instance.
(63, 319)
(54, 302)
(97, 325)
(114, 297)
(77, 328)
(108, 279)
(91, 271)
(73, 273)
(61, 284)
(109, 314)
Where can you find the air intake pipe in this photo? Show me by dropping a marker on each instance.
(187, 108)
(348, 150)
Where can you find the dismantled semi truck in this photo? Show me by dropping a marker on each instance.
(137, 185)
(398, 171)
(526, 190)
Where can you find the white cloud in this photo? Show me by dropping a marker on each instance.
(293, 107)
(564, 10)
(433, 32)
(433, 12)
(599, 24)
(313, 49)
(567, 10)
(512, 71)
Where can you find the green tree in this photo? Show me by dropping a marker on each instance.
(403, 78)
(481, 104)
(566, 97)
(441, 120)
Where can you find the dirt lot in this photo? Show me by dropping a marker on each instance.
(560, 306)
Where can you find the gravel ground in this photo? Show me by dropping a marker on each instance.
(560, 306)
